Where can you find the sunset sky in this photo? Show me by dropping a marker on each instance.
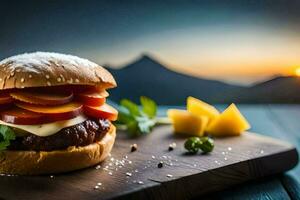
(235, 41)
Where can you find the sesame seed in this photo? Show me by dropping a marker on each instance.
(62, 77)
(96, 187)
(169, 175)
(141, 182)
(99, 184)
(22, 80)
(261, 151)
(110, 173)
(98, 167)
(51, 176)
(47, 76)
(30, 76)
(77, 80)
(128, 174)
(48, 83)
(58, 79)
(22, 86)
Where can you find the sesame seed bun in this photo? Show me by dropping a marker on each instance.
(42, 69)
(73, 158)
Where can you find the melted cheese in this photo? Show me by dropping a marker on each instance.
(44, 130)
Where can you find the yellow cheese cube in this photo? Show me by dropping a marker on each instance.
(186, 123)
(199, 107)
(230, 122)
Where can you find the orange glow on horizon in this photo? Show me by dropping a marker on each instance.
(297, 71)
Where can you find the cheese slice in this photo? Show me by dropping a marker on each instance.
(48, 129)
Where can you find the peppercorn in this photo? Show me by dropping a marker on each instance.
(172, 146)
(160, 164)
(133, 147)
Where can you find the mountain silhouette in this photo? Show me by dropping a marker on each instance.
(148, 77)
(281, 89)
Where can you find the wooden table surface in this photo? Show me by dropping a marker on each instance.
(278, 121)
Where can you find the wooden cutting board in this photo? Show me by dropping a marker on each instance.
(136, 175)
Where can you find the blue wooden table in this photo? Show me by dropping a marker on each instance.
(278, 121)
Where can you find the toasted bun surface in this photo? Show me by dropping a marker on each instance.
(51, 69)
(74, 158)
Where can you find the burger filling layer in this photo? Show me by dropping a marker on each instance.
(53, 118)
(82, 134)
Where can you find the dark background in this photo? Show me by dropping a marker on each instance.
(219, 51)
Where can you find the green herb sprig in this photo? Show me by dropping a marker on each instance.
(137, 119)
(194, 144)
(6, 135)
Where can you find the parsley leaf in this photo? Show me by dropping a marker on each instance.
(137, 119)
(131, 107)
(6, 135)
(149, 106)
(145, 124)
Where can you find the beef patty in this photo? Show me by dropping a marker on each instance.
(85, 133)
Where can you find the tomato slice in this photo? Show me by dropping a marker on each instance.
(93, 98)
(42, 97)
(23, 117)
(5, 98)
(105, 111)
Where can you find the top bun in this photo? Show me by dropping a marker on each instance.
(42, 69)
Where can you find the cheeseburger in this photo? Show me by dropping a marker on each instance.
(53, 115)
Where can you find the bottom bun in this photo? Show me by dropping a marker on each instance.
(43, 162)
